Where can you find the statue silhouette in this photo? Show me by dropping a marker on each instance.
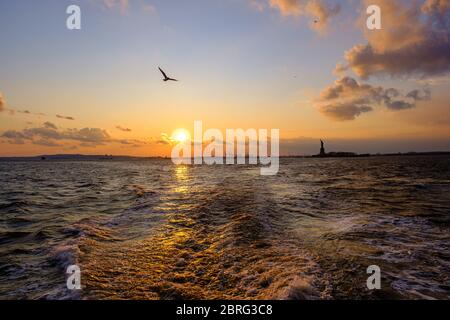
(322, 148)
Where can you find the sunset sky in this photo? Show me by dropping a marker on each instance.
(241, 64)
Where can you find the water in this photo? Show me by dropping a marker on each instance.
(147, 229)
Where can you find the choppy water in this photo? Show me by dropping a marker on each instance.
(150, 230)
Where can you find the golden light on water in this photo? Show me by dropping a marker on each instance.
(182, 175)
(181, 172)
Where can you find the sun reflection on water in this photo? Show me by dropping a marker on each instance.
(182, 177)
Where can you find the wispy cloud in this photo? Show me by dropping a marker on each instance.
(65, 117)
(319, 12)
(259, 5)
(50, 135)
(28, 112)
(122, 5)
(123, 129)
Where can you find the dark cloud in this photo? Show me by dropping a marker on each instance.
(343, 111)
(416, 43)
(347, 99)
(425, 59)
(90, 135)
(44, 133)
(123, 129)
(50, 125)
(420, 95)
(64, 117)
(14, 137)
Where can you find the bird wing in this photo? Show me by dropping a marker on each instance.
(171, 79)
(164, 74)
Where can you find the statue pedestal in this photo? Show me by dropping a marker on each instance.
(322, 151)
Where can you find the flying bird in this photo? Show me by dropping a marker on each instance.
(166, 78)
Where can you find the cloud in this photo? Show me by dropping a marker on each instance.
(321, 15)
(147, 7)
(2, 103)
(419, 95)
(288, 7)
(344, 111)
(259, 5)
(319, 11)
(14, 137)
(347, 99)
(46, 143)
(436, 6)
(122, 5)
(28, 112)
(415, 41)
(123, 129)
(135, 143)
(165, 139)
(90, 135)
(13, 112)
(50, 135)
(65, 117)
(50, 125)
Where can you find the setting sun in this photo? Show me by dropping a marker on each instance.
(181, 135)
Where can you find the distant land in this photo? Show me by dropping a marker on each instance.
(82, 157)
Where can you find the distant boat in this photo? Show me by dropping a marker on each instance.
(43, 158)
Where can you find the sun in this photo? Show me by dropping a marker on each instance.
(181, 135)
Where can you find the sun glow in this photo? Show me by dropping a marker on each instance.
(181, 135)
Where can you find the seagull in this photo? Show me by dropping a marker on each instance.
(166, 78)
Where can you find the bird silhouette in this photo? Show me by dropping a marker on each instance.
(166, 78)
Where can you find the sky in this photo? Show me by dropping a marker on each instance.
(310, 68)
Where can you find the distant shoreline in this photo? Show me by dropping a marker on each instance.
(81, 157)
